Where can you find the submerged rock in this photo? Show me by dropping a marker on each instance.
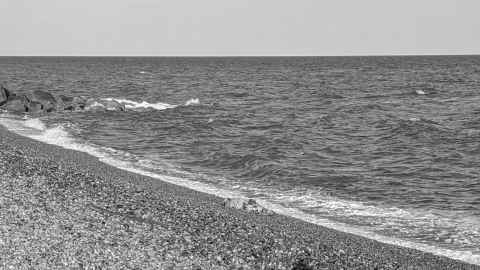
(249, 205)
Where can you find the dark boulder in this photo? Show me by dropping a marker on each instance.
(71, 103)
(64, 103)
(17, 104)
(39, 101)
(46, 99)
(4, 94)
(79, 103)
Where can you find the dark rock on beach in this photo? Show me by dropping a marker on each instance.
(62, 209)
(39, 101)
(4, 94)
(17, 104)
(78, 103)
(47, 100)
(65, 103)
(35, 107)
(71, 103)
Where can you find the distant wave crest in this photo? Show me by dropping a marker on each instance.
(144, 105)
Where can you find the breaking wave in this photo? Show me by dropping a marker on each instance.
(134, 105)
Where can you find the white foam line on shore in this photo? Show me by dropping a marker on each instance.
(58, 136)
(465, 256)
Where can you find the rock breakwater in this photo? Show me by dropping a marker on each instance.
(39, 102)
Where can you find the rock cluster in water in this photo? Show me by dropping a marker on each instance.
(38, 101)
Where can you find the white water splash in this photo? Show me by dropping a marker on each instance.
(94, 105)
(193, 101)
(35, 123)
(130, 104)
(420, 92)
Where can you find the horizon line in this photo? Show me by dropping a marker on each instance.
(242, 56)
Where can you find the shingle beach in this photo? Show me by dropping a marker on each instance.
(62, 209)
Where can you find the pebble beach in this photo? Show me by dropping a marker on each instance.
(62, 209)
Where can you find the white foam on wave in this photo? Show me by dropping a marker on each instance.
(130, 104)
(58, 135)
(420, 92)
(287, 203)
(133, 105)
(466, 256)
(94, 105)
(35, 123)
(193, 101)
(414, 119)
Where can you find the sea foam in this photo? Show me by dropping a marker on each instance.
(134, 105)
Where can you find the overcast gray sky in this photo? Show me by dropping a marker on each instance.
(239, 27)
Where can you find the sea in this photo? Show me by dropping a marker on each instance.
(386, 147)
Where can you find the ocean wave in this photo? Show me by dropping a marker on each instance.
(311, 205)
(35, 123)
(130, 104)
(192, 101)
(420, 92)
(134, 105)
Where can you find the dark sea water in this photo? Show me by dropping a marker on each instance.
(384, 147)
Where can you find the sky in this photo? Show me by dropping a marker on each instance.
(239, 27)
